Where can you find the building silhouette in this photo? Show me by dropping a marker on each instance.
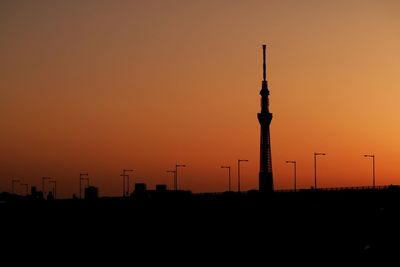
(161, 187)
(36, 194)
(50, 196)
(140, 188)
(265, 117)
(91, 192)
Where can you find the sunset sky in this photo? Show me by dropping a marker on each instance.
(105, 85)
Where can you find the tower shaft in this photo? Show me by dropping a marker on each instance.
(265, 118)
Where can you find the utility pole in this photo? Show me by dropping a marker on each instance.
(229, 176)
(373, 169)
(26, 188)
(176, 175)
(44, 178)
(125, 182)
(12, 185)
(240, 160)
(82, 176)
(315, 168)
(173, 172)
(294, 164)
(55, 188)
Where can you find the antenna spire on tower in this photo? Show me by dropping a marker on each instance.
(264, 64)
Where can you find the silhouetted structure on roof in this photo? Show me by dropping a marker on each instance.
(161, 187)
(36, 194)
(91, 192)
(50, 196)
(140, 188)
(265, 118)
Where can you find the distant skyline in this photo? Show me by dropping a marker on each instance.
(102, 86)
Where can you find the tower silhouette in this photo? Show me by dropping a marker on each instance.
(265, 117)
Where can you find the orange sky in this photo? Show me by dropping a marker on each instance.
(102, 85)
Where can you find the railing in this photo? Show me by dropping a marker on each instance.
(354, 188)
(348, 188)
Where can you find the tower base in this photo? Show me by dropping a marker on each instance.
(265, 182)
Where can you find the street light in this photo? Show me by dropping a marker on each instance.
(315, 167)
(26, 188)
(12, 185)
(173, 172)
(240, 160)
(373, 169)
(124, 192)
(44, 178)
(176, 174)
(294, 164)
(229, 176)
(55, 188)
(82, 177)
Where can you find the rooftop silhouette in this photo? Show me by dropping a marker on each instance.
(352, 221)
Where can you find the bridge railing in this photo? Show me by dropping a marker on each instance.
(348, 188)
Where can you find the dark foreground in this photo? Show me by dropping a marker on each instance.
(226, 227)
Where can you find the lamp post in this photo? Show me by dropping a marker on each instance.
(55, 188)
(294, 164)
(315, 168)
(82, 176)
(229, 176)
(373, 169)
(240, 160)
(44, 178)
(176, 174)
(173, 172)
(26, 188)
(12, 185)
(124, 192)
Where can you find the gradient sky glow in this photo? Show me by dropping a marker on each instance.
(106, 85)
